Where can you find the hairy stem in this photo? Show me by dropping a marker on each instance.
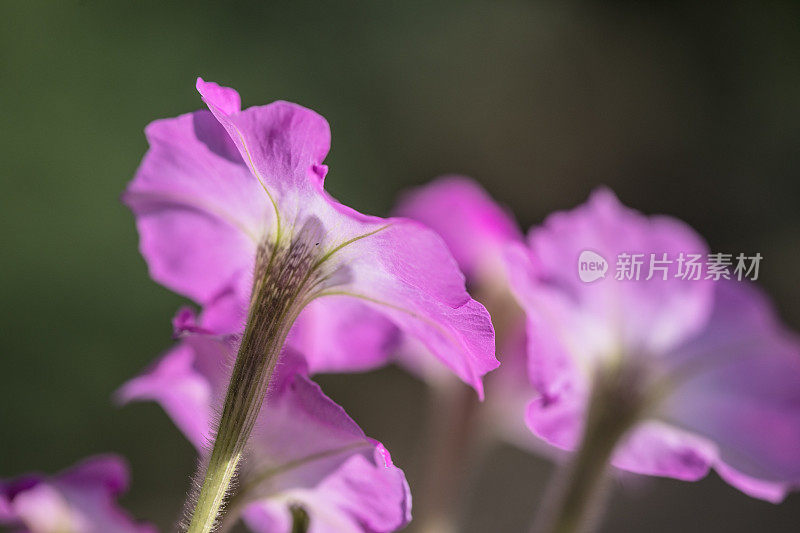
(282, 274)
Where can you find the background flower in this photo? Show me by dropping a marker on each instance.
(81, 499)
(710, 374)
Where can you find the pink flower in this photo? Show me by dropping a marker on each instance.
(222, 197)
(305, 451)
(701, 373)
(477, 231)
(78, 500)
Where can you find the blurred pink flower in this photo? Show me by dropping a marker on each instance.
(78, 500)
(477, 231)
(221, 194)
(305, 451)
(712, 376)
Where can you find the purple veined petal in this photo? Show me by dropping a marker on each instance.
(739, 386)
(199, 211)
(405, 271)
(284, 144)
(80, 499)
(474, 227)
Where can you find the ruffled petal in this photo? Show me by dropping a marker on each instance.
(405, 271)
(263, 184)
(282, 143)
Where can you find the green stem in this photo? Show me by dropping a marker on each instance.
(282, 277)
(450, 442)
(252, 370)
(300, 519)
(577, 495)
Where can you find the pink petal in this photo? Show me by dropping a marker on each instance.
(739, 385)
(199, 211)
(186, 382)
(474, 227)
(406, 272)
(342, 334)
(302, 436)
(646, 316)
(654, 448)
(284, 144)
(80, 499)
(204, 202)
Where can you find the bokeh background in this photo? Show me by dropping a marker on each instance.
(688, 110)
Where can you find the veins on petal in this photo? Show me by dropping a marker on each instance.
(348, 242)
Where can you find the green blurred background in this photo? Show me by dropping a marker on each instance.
(692, 111)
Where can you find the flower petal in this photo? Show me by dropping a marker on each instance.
(405, 271)
(342, 334)
(282, 143)
(199, 211)
(740, 387)
(654, 448)
(474, 227)
(80, 499)
(646, 316)
(305, 449)
(187, 381)
(303, 443)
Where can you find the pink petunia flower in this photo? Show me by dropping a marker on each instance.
(227, 198)
(305, 453)
(232, 212)
(78, 500)
(685, 375)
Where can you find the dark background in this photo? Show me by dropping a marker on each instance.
(691, 111)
